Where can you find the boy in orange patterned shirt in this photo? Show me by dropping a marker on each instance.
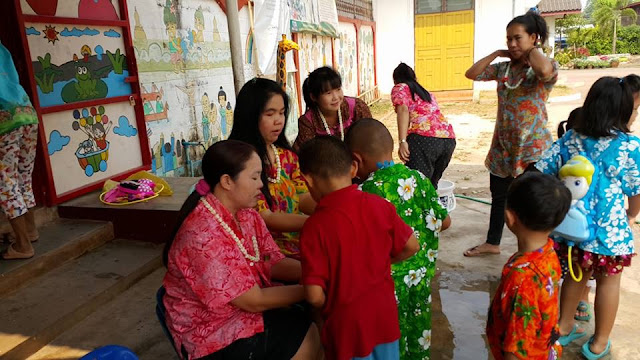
(523, 317)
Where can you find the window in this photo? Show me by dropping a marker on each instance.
(436, 6)
(356, 9)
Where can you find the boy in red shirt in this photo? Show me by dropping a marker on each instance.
(523, 317)
(347, 247)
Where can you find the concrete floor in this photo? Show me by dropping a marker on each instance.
(464, 286)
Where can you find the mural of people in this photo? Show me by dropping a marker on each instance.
(175, 43)
(206, 112)
(222, 101)
(229, 116)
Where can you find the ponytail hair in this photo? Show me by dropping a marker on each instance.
(533, 23)
(227, 157)
(607, 108)
(404, 74)
(570, 123)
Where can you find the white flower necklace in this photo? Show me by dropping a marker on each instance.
(227, 228)
(506, 78)
(278, 166)
(326, 126)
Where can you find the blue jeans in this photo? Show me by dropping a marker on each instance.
(388, 351)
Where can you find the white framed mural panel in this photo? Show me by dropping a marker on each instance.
(315, 51)
(366, 55)
(346, 57)
(91, 144)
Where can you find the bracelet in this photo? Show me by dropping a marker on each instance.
(403, 141)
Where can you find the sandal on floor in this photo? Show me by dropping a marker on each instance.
(12, 254)
(583, 306)
(573, 335)
(590, 355)
(474, 252)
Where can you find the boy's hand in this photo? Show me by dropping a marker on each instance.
(314, 295)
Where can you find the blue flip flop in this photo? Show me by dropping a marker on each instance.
(583, 306)
(590, 355)
(573, 335)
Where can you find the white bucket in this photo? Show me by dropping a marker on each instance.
(445, 194)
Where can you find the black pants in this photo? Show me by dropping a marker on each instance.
(498, 187)
(430, 155)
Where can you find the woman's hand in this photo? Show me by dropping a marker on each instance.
(403, 151)
(503, 53)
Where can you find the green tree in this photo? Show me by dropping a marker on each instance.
(609, 13)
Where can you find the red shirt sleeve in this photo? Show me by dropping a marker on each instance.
(314, 256)
(400, 231)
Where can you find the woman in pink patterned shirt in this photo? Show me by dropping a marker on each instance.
(221, 302)
(426, 138)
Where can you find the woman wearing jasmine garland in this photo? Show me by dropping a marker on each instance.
(520, 136)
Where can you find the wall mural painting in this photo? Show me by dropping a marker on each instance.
(93, 142)
(367, 66)
(183, 55)
(346, 58)
(84, 9)
(76, 63)
(315, 52)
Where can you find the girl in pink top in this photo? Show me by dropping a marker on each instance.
(221, 302)
(426, 138)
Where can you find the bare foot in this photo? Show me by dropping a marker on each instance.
(482, 249)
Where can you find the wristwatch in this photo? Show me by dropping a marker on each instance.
(403, 141)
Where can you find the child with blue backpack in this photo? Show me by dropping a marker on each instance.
(601, 135)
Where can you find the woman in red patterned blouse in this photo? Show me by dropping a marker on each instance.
(220, 299)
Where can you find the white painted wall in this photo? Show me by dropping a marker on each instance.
(551, 24)
(395, 41)
(491, 19)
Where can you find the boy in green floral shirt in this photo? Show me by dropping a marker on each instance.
(416, 202)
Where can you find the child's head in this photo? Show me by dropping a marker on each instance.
(570, 123)
(536, 202)
(369, 142)
(326, 164)
(633, 82)
(322, 89)
(607, 108)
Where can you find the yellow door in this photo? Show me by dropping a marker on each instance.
(444, 50)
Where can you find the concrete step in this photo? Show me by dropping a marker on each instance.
(43, 216)
(60, 241)
(33, 316)
(129, 320)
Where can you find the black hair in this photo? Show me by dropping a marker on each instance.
(326, 157)
(533, 23)
(222, 93)
(99, 126)
(607, 108)
(250, 103)
(540, 201)
(570, 123)
(404, 74)
(370, 137)
(319, 81)
(227, 157)
(633, 82)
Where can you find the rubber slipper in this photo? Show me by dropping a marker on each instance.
(573, 335)
(583, 306)
(587, 353)
(474, 252)
(12, 254)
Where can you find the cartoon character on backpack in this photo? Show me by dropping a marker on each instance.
(577, 175)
